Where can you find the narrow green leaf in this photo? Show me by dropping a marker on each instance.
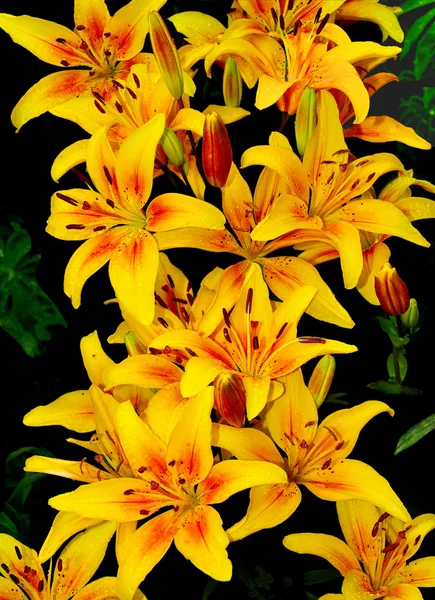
(415, 433)
(425, 51)
(320, 576)
(391, 387)
(415, 31)
(209, 589)
(409, 5)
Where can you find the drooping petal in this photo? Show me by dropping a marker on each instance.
(146, 548)
(124, 531)
(73, 411)
(346, 239)
(231, 476)
(374, 257)
(286, 274)
(145, 452)
(375, 12)
(80, 559)
(135, 160)
(49, 92)
(133, 270)
(88, 258)
(189, 453)
(202, 540)
(128, 28)
(94, 358)
(270, 505)
(416, 208)
(386, 129)
(353, 479)
(144, 370)
(64, 526)
(334, 550)
(70, 157)
(71, 469)
(379, 216)
(108, 500)
(174, 211)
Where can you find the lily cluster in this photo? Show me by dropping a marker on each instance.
(211, 399)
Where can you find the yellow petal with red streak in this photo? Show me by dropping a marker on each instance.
(196, 237)
(124, 532)
(49, 92)
(386, 129)
(145, 452)
(100, 589)
(202, 540)
(286, 274)
(135, 160)
(107, 500)
(231, 476)
(353, 479)
(270, 505)
(203, 347)
(91, 17)
(48, 41)
(9, 591)
(420, 572)
(88, 258)
(146, 548)
(16, 556)
(128, 28)
(133, 271)
(80, 559)
(64, 526)
(70, 157)
(174, 211)
(73, 411)
(334, 550)
(145, 370)
(101, 165)
(189, 452)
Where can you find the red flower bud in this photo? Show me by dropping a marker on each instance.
(217, 154)
(166, 54)
(391, 291)
(230, 398)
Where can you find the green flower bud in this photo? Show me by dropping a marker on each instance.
(306, 118)
(172, 147)
(410, 317)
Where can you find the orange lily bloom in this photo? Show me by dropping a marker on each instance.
(23, 576)
(251, 348)
(113, 223)
(374, 11)
(315, 457)
(178, 475)
(324, 201)
(374, 562)
(106, 46)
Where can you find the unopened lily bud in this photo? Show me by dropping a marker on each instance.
(172, 147)
(217, 154)
(306, 118)
(166, 54)
(391, 291)
(133, 344)
(232, 83)
(230, 398)
(410, 317)
(321, 379)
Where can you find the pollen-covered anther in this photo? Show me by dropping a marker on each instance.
(75, 226)
(304, 444)
(390, 547)
(255, 343)
(417, 539)
(141, 469)
(326, 464)
(227, 335)
(226, 318)
(248, 306)
(18, 553)
(67, 199)
(144, 512)
(128, 492)
(162, 321)
(281, 330)
(59, 565)
(99, 107)
(311, 340)
(154, 485)
(354, 184)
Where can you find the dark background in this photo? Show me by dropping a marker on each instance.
(26, 160)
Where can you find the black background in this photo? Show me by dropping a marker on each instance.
(26, 188)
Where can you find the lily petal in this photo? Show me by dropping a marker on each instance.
(70, 157)
(94, 358)
(386, 129)
(202, 540)
(174, 211)
(71, 469)
(144, 370)
(73, 411)
(346, 239)
(64, 526)
(91, 17)
(246, 444)
(419, 573)
(165, 409)
(374, 257)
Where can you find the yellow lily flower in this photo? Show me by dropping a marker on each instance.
(374, 562)
(315, 457)
(178, 475)
(113, 223)
(106, 46)
(251, 348)
(23, 576)
(324, 201)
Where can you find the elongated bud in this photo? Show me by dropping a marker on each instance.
(217, 154)
(133, 344)
(172, 147)
(321, 379)
(391, 291)
(166, 54)
(411, 316)
(306, 118)
(232, 83)
(230, 399)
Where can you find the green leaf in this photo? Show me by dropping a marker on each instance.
(415, 31)
(311, 596)
(409, 5)
(391, 387)
(387, 326)
(320, 576)
(413, 435)
(7, 525)
(337, 398)
(403, 366)
(209, 589)
(425, 51)
(26, 312)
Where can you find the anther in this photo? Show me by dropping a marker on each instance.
(340, 445)
(354, 184)
(99, 228)
(144, 511)
(190, 351)
(390, 547)
(311, 340)
(155, 351)
(14, 578)
(318, 14)
(309, 423)
(189, 298)
(5, 567)
(162, 321)
(255, 342)
(60, 40)
(154, 485)
(99, 107)
(304, 444)
(128, 492)
(18, 553)
(184, 314)
(119, 107)
(59, 565)
(80, 27)
(132, 94)
(181, 481)
(67, 199)
(326, 464)
(161, 302)
(107, 174)
(86, 205)
(110, 203)
(227, 335)
(172, 463)
(40, 585)
(248, 307)
(281, 331)
(64, 63)
(226, 318)
(370, 177)
(136, 80)
(75, 226)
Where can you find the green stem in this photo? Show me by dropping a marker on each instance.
(396, 365)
